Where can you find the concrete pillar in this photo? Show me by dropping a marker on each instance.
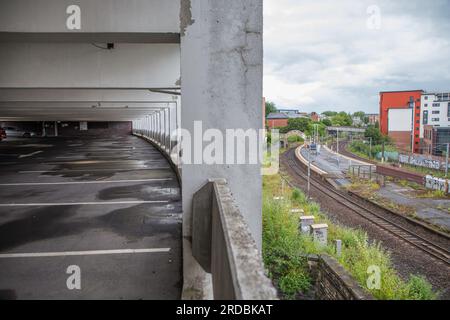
(320, 233)
(305, 223)
(221, 85)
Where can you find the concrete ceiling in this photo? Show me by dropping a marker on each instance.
(80, 104)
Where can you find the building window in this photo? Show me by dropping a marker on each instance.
(426, 97)
(435, 119)
(448, 110)
(425, 105)
(436, 112)
(425, 117)
(436, 104)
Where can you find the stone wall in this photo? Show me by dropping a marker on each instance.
(333, 282)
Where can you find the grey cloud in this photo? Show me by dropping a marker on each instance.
(320, 54)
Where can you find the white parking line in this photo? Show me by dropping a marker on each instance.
(30, 154)
(78, 203)
(81, 253)
(80, 182)
(90, 170)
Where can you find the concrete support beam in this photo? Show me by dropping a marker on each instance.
(150, 16)
(221, 76)
(221, 86)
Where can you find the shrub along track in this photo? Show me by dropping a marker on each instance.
(413, 249)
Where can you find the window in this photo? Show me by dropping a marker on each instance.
(435, 119)
(425, 117)
(426, 97)
(448, 110)
(426, 105)
(436, 112)
(436, 104)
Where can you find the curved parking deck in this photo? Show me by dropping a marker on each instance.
(109, 206)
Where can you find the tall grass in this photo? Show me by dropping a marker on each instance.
(285, 249)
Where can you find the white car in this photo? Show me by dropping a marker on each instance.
(14, 132)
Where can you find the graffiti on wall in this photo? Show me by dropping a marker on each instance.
(421, 161)
(437, 183)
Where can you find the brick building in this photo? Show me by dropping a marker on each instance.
(277, 120)
(400, 118)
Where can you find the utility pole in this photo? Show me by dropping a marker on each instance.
(309, 169)
(446, 160)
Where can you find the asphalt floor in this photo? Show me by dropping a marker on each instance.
(88, 218)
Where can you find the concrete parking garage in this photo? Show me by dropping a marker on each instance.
(109, 205)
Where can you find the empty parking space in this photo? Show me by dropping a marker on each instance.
(110, 206)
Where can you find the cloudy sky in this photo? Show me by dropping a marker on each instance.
(337, 54)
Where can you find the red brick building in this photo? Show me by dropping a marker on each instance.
(277, 120)
(315, 116)
(398, 106)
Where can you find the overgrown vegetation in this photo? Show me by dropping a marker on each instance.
(285, 249)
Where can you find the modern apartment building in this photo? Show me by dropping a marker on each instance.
(435, 110)
(400, 118)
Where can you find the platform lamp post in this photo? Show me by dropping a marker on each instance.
(309, 170)
(446, 160)
(370, 147)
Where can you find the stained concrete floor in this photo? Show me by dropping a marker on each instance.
(90, 203)
(435, 211)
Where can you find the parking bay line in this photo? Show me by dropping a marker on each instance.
(79, 203)
(81, 253)
(30, 154)
(80, 182)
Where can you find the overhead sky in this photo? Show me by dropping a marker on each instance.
(338, 55)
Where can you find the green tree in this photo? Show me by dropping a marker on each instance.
(377, 137)
(360, 114)
(330, 113)
(326, 122)
(342, 119)
(270, 107)
(301, 124)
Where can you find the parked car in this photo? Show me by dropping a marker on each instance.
(2, 134)
(15, 132)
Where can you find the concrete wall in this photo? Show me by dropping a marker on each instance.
(84, 65)
(221, 76)
(69, 129)
(333, 282)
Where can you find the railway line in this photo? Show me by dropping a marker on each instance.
(434, 250)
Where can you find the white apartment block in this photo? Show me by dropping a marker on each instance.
(435, 110)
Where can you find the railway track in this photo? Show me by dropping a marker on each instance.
(432, 249)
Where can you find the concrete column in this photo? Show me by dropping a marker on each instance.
(221, 85)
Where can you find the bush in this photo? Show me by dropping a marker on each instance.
(282, 250)
(419, 288)
(295, 138)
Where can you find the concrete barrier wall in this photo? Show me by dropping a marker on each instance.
(223, 246)
(335, 283)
